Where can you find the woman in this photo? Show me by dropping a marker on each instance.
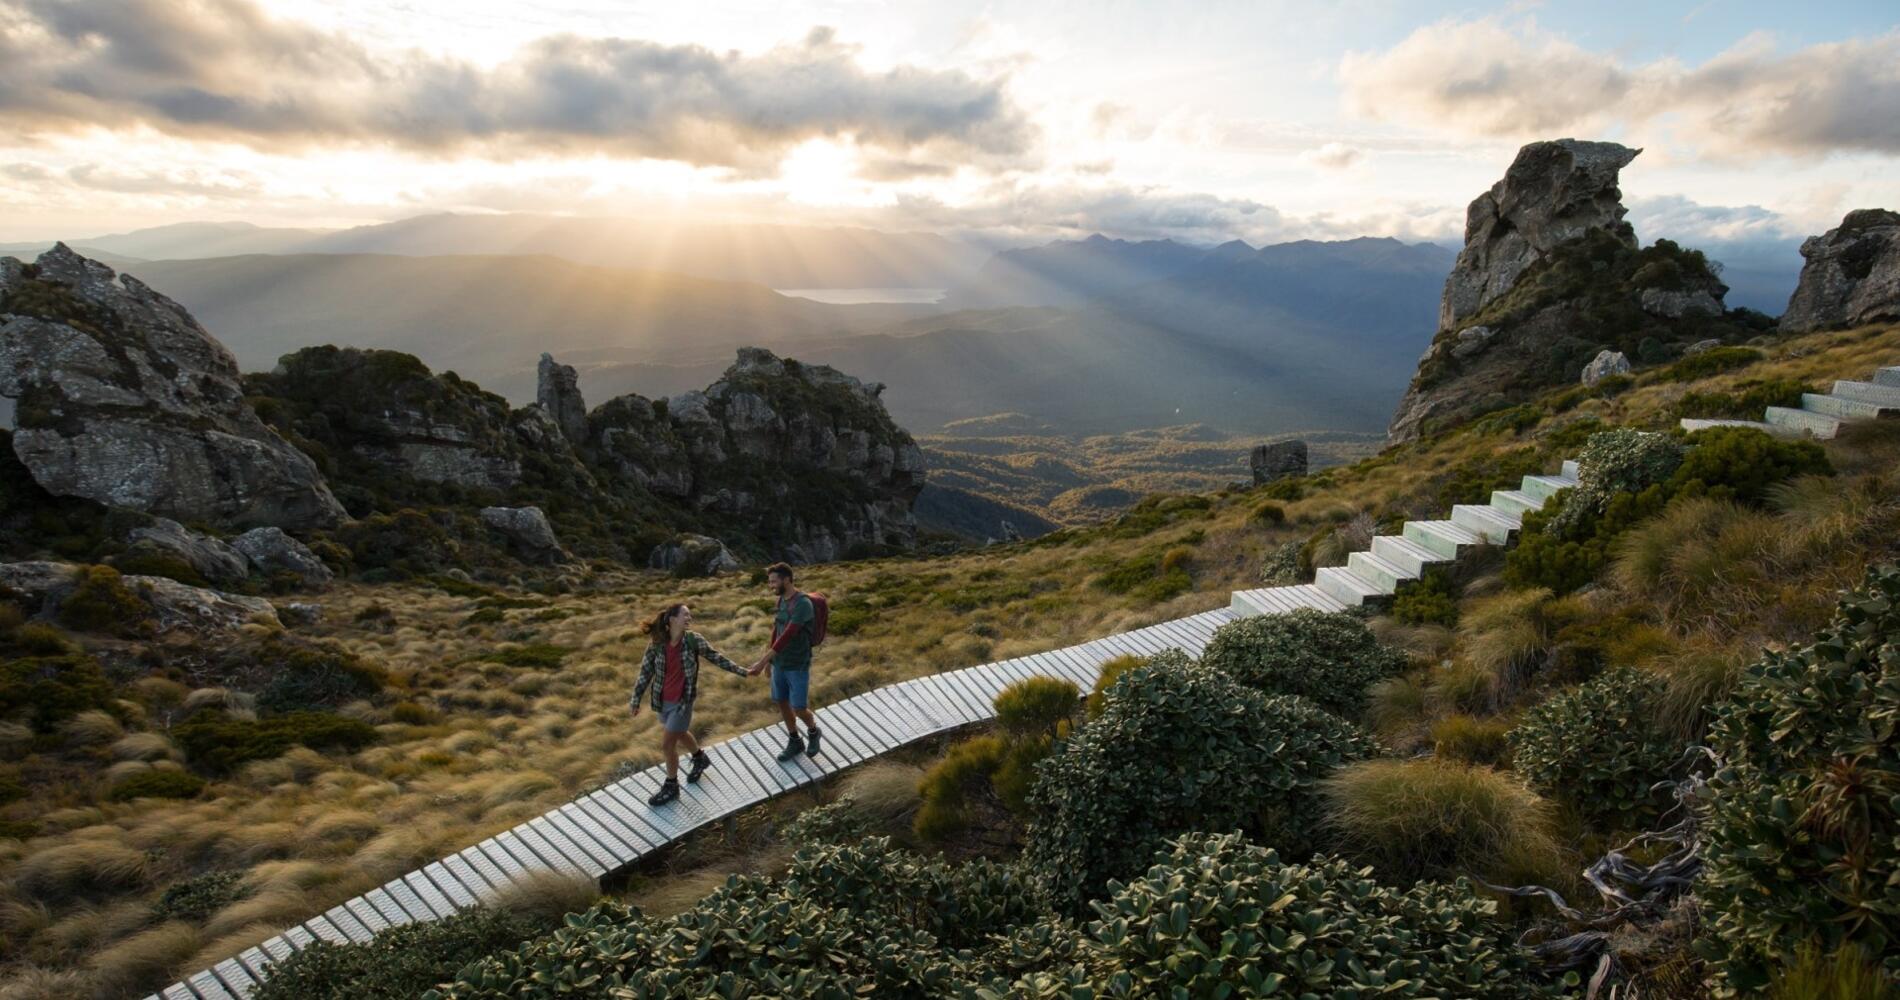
(673, 658)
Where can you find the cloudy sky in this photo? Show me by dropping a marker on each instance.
(1205, 121)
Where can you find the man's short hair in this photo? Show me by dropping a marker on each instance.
(780, 569)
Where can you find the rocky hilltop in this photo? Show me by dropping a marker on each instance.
(1550, 279)
(1851, 275)
(123, 399)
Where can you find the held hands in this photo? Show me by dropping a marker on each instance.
(758, 667)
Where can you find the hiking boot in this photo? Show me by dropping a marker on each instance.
(811, 743)
(793, 747)
(669, 790)
(698, 766)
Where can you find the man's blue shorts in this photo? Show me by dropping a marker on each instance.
(791, 686)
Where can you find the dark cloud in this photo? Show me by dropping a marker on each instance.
(1491, 79)
(222, 69)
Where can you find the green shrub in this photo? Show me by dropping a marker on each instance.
(1847, 974)
(1268, 513)
(197, 898)
(1612, 463)
(1748, 402)
(1328, 658)
(1599, 747)
(1430, 601)
(847, 618)
(949, 786)
(1740, 463)
(1710, 362)
(400, 963)
(1472, 740)
(411, 714)
(305, 676)
(1145, 578)
(156, 785)
(218, 744)
(1178, 749)
(45, 691)
(1113, 669)
(1036, 706)
(1800, 818)
(103, 603)
(1217, 916)
(542, 656)
(1282, 567)
(839, 822)
(1437, 818)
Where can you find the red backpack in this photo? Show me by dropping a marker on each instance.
(820, 615)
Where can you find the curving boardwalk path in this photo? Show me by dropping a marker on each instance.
(609, 829)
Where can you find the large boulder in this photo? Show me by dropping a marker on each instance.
(1553, 192)
(122, 398)
(1604, 365)
(528, 532)
(558, 392)
(274, 552)
(209, 557)
(693, 555)
(1277, 461)
(1852, 274)
(175, 606)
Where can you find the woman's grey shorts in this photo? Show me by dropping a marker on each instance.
(677, 716)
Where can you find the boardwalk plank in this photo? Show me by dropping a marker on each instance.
(448, 885)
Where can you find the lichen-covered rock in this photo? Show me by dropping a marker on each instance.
(1604, 365)
(1277, 461)
(1852, 274)
(558, 393)
(209, 557)
(1677, 303)
(274, 552)
(122, 398)
(174, 605)
(694, 555)
(528, 532)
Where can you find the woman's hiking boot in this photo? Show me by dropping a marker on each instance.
(793, 747)
(811, 742)
(698, 766)
(669, 790)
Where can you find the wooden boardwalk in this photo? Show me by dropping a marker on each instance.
(611, 828)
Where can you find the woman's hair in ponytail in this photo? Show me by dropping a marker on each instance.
(660, 628)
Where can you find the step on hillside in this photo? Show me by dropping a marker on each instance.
(1844, 408)
(1821, 415)
(1818, 424)
(1888, 377)
(1871, 392)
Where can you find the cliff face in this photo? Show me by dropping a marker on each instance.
(1852, 274)
(1551, 276)
(122, 398)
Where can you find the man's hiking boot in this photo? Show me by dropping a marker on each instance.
(669, 790)
(793, 747)
(698, 766)
(811, 743)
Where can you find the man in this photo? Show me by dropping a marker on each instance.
(790, 659)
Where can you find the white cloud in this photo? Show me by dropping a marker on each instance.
(1334, 156)
(1490, 78)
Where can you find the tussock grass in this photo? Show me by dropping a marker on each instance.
(1429, 818)
(92, 728)
(146, 746)
(549, 895)
(79, 868)
(146, 957)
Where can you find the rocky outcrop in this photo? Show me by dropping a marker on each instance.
(1851, 275)
(693, 555)
(527, 531)
(1553, 193)
(1277, 461)
(557, 391)
(1604, 365)
(122, 398)
(1550, 278)
(43, 585)
(273, 553)
(209, 557)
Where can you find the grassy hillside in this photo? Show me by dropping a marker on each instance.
(492, 703)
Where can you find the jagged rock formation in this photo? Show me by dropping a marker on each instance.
(1852, 274)
(1604, 365)
(1549, 278)
(1277, 461)
(174, 605)
(122, 398)
(527, 531)
(209, 557)
(273, 553)
(693, 555)
(557, 391)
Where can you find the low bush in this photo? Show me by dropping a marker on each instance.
(1327, 658)
(1216, 916)
(1430, 601)
(950, 786)
(1747, 402)
(1740, 463)
(1037, 706)
(839, 822)
(1145, 578)
(1178, 749)
(218, 744)
(306, 676)
(1472, 740)
(1435, 818)
(103, 603)
(196, 899)
(1710, 362)
(45, 691)
(1111, 671)
(1268, 513)
(156, 784)
(1599, 747)
(1846, 974)
(398, 964)
(1799, 818)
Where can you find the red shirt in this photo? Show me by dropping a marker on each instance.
(673, 685)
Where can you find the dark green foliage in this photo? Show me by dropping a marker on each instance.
(1179, 749)
(1162, 509)
(1598, 748)
(1473, 480)
(1111, 671)
(103, 603)
(1144, 578)
(837, 822)
(459, 588)
(197, 898)
(1710, 362)
(1217, 916)
(1799, 823)
(411, 714)
(218, 744)
(1430, 601)
(1036, 706)
(307, 676)
(48, 690)
(847, 618)
(1269, 513)
(156, 785)
(1740, 463)
(955, 786)
(148, 563)
(402, 544)
(541, 655)
(1327, 658)
(399, 964)
(1749, 400)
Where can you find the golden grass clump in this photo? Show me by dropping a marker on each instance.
(78, 868)
(1472, 740)
(94, 727)
(144, 960)
(1431, 818)
(548, 894)
(143, 746)
(503, 789)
